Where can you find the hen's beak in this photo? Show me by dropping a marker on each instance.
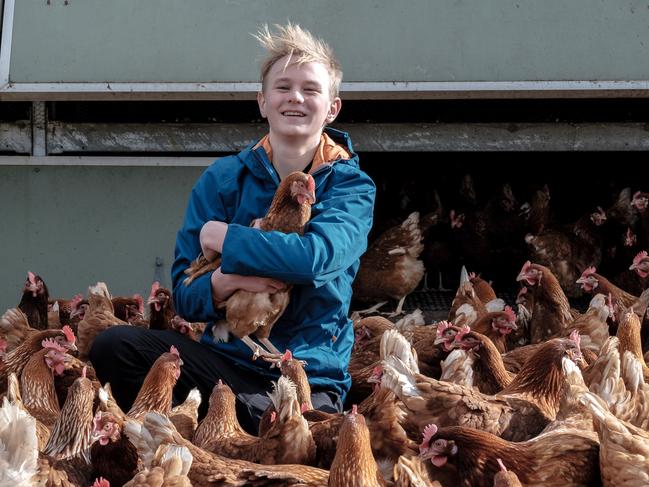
(95, 436)
(510, 324)
(306, 195)
(160, 299)
(439, 340)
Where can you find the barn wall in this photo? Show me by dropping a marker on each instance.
(75, 225)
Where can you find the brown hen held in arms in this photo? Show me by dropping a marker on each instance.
(250, 313)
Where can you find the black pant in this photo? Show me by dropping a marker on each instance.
(123, 355)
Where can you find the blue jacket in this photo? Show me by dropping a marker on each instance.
(321, 264)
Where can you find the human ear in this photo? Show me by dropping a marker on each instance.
(261, 101)
(334, 110)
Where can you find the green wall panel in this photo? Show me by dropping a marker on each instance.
(376, 40)
(78, 225)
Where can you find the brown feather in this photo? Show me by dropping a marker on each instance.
(354, 464)
(557, 459)
(99, 316)
(156, 391)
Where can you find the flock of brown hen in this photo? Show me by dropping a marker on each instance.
(540, 395)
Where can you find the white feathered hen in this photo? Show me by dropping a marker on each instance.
(18, 446)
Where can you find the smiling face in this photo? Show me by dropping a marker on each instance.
(296, 99)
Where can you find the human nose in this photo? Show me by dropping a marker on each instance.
(295, 96)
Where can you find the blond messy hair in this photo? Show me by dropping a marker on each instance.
(301, 47)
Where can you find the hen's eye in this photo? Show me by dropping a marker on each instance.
(439, 443)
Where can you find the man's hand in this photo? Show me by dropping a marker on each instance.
(212, 237)
(224, 285)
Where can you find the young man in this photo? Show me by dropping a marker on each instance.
(299, 97)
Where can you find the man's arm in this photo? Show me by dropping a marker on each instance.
(336, 237)
(197, 301)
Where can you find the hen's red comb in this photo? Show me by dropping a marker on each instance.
(377, 372)
(310, 183)
(96, 421)
(641, 256)
(429, 432)
(574, 336)
(590, 270)
(50, 343)
(173, 350)
(354, 409)
(140, 302)
(463, 331)
(287, 356)
(525, 267)
(69, 334)
(31, 277)
(441, 326)
(509, 312)
(101, 482)
(154, 287)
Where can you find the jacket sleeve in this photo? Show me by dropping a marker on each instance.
(194, 302)
(335, 238)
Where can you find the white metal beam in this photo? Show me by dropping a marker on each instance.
(106, 161)
(5, 43)
(349, 90)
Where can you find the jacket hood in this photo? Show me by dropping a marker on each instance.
(256, 159)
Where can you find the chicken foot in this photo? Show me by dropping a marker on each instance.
(199, 267)
(258, 351)
(440, 287)
(397, 311)
(269, 346)
(373, 309)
